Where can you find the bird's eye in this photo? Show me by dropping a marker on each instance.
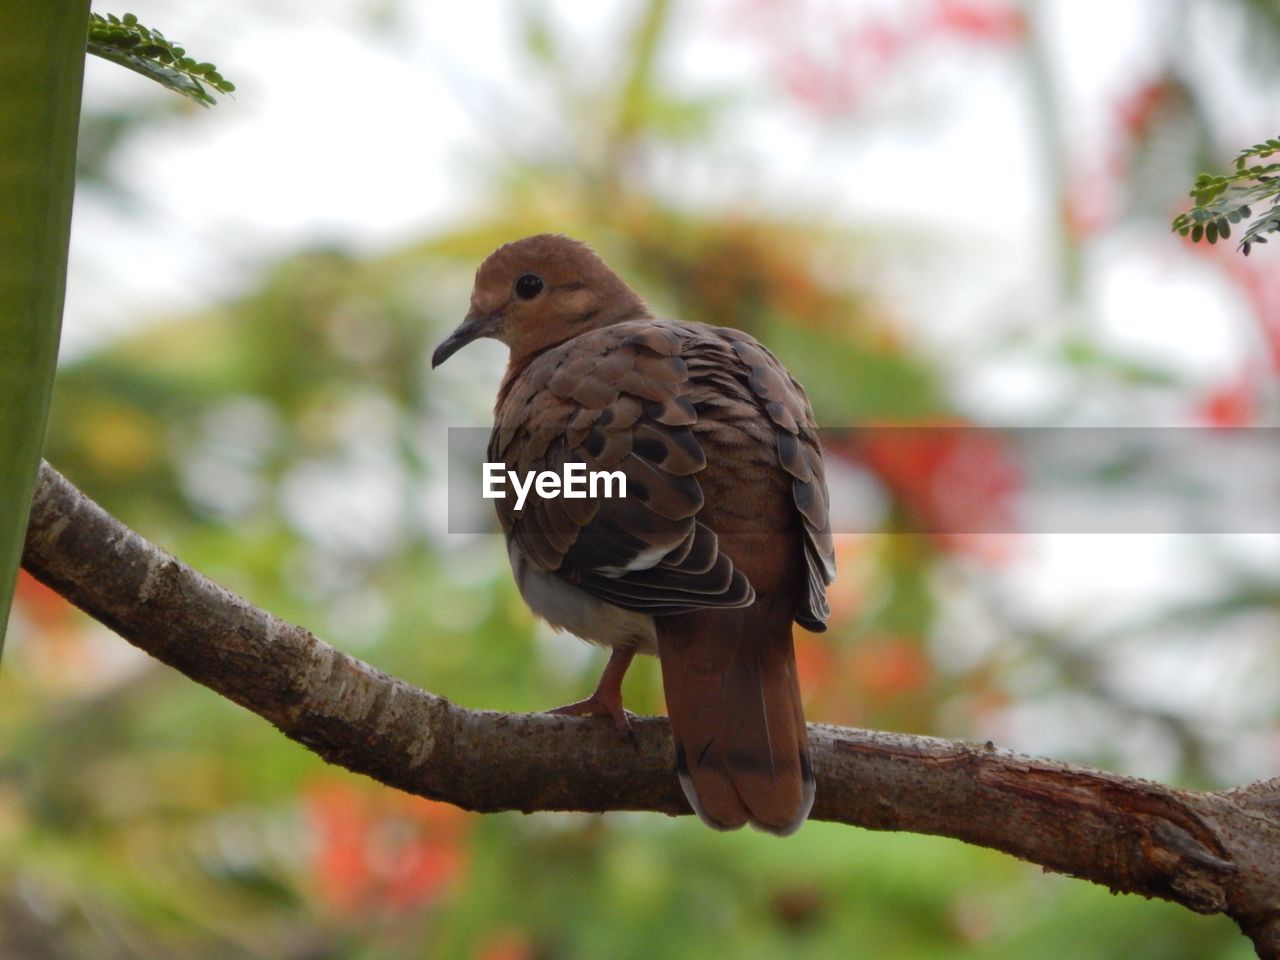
(528, 286)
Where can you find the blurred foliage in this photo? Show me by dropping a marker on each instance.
(288, 445)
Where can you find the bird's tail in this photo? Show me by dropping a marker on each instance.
(734, 704)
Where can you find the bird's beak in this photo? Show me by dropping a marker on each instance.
(475, 326)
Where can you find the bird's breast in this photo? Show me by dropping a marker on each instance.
(567, 607)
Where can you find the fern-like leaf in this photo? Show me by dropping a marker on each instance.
(125, 41)
(1220, 201)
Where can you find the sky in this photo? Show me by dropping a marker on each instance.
(298, 157)
(298, 154)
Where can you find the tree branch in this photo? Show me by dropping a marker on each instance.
(1211, 852)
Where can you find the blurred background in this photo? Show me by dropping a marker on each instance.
(934, 211)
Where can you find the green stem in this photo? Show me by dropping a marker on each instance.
(41, 73)
(635, 95)
(637, 88)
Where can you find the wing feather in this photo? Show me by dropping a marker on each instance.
(619, 399)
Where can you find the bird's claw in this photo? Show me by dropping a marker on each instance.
(600, 707)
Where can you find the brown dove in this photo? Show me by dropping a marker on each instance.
(721, 542)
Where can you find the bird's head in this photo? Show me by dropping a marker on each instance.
(540, 291)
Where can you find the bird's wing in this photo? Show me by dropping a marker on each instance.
(615, 399)
(783, 401)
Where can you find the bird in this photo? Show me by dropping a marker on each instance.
(721, 543)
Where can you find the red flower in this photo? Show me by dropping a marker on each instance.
(828, 60)
(1260, 284)
(987, 22)
(1232, 404)
(1139, 111)
(955, 483)
(1089, 206)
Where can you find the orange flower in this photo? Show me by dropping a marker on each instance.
(46, 609)
(815, 664)
(339, 821)
(504, 945)
(847, 595)
(887, 666)
(382, 850)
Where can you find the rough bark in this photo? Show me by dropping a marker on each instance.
(1213, 852)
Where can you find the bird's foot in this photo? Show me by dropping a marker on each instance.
(599, 706)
